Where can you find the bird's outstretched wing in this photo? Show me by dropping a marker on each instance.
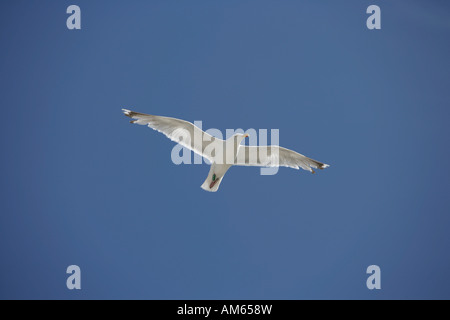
(180, 131)
(275, 156)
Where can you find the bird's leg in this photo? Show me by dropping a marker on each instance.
(214, 181)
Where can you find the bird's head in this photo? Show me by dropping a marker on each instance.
(238, 137)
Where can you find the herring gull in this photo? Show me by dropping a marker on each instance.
(222, 154)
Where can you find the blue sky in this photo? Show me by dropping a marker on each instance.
(80, 185)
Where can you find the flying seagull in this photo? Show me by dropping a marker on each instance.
(222, 154)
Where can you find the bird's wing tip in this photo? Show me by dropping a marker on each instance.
(127, 112)
(324, 166)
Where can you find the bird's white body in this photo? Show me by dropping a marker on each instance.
(223, 154)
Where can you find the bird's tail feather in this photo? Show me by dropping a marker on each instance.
(212, 182)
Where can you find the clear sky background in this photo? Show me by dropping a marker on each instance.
(80, 185)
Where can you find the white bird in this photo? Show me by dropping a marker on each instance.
(223, 153)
